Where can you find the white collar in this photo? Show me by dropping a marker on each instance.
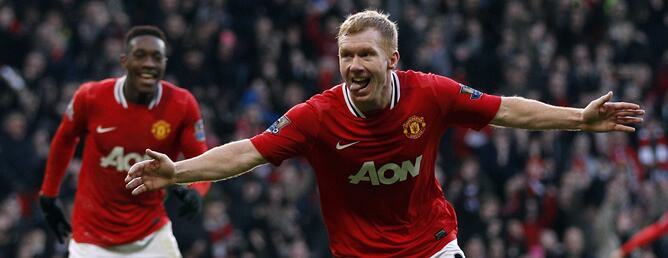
(120, 97)
(394, 98)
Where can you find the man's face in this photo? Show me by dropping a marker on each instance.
(365, 68)
(145, 62)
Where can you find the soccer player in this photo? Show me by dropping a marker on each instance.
(645, 236)
(119, 118)
(373, 141)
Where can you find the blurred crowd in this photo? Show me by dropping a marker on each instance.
(518, 194)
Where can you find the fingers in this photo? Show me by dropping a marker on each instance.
(630, 113)
(629, 120)
(67, 227)
(140, 189)
(139, 186)
(137, 170)
(135, 182)
(623, 128)
(62, 231)
(622, 105)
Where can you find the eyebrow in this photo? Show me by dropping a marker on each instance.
(357, 50)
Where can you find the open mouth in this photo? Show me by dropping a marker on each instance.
(148, 76)
(359, 83)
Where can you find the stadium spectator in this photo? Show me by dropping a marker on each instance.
(373, 211)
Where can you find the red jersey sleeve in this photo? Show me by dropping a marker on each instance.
(291, 135)
(64, 142)
(463, 105)
(646, 235)
(192, 138)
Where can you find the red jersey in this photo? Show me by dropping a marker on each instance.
(116, 134)
(375, 172)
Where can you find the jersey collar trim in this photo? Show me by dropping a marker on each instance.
(120, 97)
(394, 98)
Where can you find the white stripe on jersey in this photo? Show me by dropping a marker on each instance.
(351, 106)
(120, 97)
(118, 92)
(394, 98)
(156, 99)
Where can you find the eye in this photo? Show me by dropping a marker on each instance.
(158, 57)
(139, 55)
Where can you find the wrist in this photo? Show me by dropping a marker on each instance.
(580, 124)
(178, 174)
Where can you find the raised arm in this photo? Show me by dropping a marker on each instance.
(600, 115)
(218, 163)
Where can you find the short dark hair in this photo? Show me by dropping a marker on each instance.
(143, 30)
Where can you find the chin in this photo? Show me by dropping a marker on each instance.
(147, 87)
(361, 99)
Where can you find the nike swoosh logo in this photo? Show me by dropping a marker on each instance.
(101, 129)
(341, 147)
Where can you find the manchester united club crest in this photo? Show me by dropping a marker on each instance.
(414, 127)
(160, 129)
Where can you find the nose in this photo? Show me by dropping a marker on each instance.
(356, 64)
(149, 62)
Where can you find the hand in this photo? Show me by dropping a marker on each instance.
(603, 116)
(55, 219)
(153, 174)
(192, 202)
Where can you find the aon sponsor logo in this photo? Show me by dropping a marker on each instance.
(387, 174)
(119, 160)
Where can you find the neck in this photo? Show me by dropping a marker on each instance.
(135, 96)
(380, 102)
(376, 104)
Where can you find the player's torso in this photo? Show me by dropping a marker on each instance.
(119, 135)
(391, 145)
(387, 156)
(376, 175)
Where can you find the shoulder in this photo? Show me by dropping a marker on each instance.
(420, 79)
(176, 93)
(97, 85)
(436, 84)
(96, 88)
(174, 89)
(327, 99)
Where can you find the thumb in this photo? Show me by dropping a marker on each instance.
(603, 99)
(154, 155)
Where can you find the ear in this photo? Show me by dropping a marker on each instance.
(124, 60)
(394, 60)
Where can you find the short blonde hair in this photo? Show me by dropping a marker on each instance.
(379, 21)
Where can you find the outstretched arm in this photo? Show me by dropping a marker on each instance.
(600, 115)
(219, 163)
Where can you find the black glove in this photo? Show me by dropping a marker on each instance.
(192, 202)
(54, 217)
